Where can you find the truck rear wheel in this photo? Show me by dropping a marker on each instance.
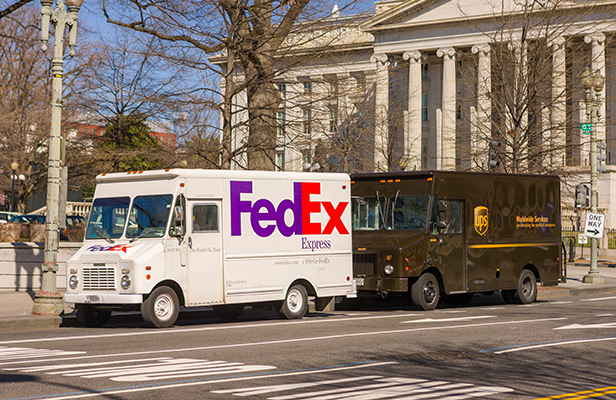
(228, 312)
(91, 316)
(526, 293)
(425, 292)
(295, 305)
(161, 308)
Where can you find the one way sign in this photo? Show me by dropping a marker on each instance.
(594, 225)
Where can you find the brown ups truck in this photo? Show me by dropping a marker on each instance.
(448, 235)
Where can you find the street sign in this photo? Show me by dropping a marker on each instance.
(586, 128)
(595, 222)
(582, 239)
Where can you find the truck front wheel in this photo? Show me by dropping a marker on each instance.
(295, 305)
(91, 316)
(161, 308)
(526, 293)
(425, 292)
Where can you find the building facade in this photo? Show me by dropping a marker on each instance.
(456, 85)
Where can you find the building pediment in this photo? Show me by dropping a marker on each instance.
(397, 14)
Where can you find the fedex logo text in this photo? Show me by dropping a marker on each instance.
(265, 217)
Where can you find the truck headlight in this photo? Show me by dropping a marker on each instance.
(388, 269)
(125, 282)
(73, 282)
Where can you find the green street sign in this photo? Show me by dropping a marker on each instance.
(586, 128)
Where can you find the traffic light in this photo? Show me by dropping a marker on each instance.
(601, 156)
(581, 196)
(493, 162)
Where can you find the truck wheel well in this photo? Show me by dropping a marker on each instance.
(437, 274)
(534, 270)
(173, 285)
(306, 284)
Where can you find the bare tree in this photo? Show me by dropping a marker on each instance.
(12, 7)
(527, 113)
(249, 38)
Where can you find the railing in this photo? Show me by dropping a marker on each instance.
(72, 208)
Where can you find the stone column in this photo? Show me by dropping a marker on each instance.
(446, 138)
(413, 127)
(381, 112)
(483, 122)
(597, 63)
(558, 110)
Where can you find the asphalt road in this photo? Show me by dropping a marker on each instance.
(561, 349)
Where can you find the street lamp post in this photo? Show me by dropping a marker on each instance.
(14, 167)
(48, 301)
(593, 86)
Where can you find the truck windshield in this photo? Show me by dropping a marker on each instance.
(367, 213)
(107, 218)
(407, 212)
(148, 216)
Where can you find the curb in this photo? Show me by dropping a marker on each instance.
(30, 322)
(556, 292)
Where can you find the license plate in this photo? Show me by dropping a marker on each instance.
(93, 299)
(360, 281)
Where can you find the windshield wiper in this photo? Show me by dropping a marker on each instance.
(103, 234)
(142, 234)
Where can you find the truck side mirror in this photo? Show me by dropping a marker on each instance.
(176, 231)
(178, 213)
(442, 227)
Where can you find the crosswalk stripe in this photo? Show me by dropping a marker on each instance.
(14, 353)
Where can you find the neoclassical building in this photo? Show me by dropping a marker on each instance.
(453, 85)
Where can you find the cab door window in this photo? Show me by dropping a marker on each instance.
(449, 212)
(205, 218)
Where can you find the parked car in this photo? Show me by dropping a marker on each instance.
(5, 216)
(27, 219)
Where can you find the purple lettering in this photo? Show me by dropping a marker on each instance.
(238, 206)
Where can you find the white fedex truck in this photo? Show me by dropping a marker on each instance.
(157, 240)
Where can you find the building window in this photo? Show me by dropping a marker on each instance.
(459, 69)
(333, 119)
(281, 118)
(458, 105)
(282, 88)
(424, 71)
(307, 87)
(306, 121)
(280, 160)
(306, 159)
(424, 153)
(424, 107)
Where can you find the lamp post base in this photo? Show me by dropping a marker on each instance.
(48, 303)
(594, 278)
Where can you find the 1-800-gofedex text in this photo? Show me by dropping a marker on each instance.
(265, 217)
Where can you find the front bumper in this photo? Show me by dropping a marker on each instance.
(103, 298)
(380, 284)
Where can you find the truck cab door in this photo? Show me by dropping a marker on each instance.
(205, 262)
(448, 250)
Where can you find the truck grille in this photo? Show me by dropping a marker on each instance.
(99, 278)
(364, 264)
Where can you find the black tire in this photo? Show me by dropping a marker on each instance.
(295, 304)
(161, 308)
(425, 292)
(508, 296)
(91, 316)
(526, 293)
(458, 298)
(228, 312)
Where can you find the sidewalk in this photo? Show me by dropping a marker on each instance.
(16, 307)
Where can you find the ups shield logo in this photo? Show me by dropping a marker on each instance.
(481, 220)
